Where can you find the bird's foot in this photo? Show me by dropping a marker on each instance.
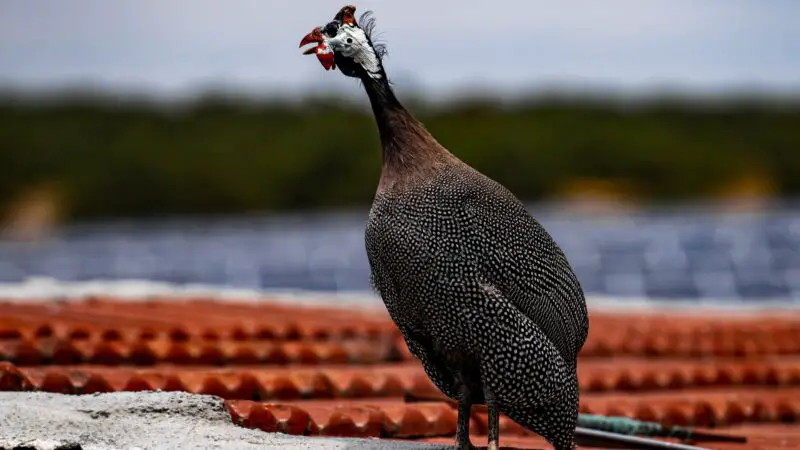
(465, 446)
(493, 445)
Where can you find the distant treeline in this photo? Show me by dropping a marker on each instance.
(108, 159)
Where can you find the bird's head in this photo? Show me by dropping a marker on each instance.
(345, 44)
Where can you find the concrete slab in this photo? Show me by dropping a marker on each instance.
(145, 421)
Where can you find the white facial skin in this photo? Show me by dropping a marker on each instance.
(352, 42)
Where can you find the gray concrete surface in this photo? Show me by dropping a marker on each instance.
(145, 420)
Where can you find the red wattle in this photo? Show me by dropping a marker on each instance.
(325, 56)
(327, 61)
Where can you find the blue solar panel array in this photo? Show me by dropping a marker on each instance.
(662, 255)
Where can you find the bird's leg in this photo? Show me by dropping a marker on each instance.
(464, 411)
(493, 421)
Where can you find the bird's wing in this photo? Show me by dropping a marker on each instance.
(383, 240)
(520, 258)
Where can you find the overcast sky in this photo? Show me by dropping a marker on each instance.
(172, 46)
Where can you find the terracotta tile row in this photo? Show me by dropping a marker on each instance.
(393, 418)
(242, 382)
(371, 418)
(701, 407)
(605, 343)
(208, 319)
(642, 374)
(698, 319)
(687, 406)
(15, 328)
(290, 320)
(688, 348)
(615, 344)
(184, 320)
(208, 309)
(221, 313)
(401, 379)
(596, 373)
(594, 348)
(198, 352)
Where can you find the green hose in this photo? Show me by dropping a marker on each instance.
(633, 427)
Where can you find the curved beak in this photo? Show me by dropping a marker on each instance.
(314, 36)
(322, 50)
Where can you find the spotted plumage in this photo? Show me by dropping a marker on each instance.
(483, 295)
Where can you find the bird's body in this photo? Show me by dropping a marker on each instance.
(482, 294)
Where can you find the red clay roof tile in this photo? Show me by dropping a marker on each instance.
(12, 379)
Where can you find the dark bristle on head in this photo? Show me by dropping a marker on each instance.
(367, 22)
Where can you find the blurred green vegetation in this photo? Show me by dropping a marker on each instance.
(108, 158)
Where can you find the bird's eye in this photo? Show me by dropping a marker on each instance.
(331, 29)
(349, 40)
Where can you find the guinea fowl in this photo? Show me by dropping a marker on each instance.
(482, 294)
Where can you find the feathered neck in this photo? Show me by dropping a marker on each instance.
(407, 146)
